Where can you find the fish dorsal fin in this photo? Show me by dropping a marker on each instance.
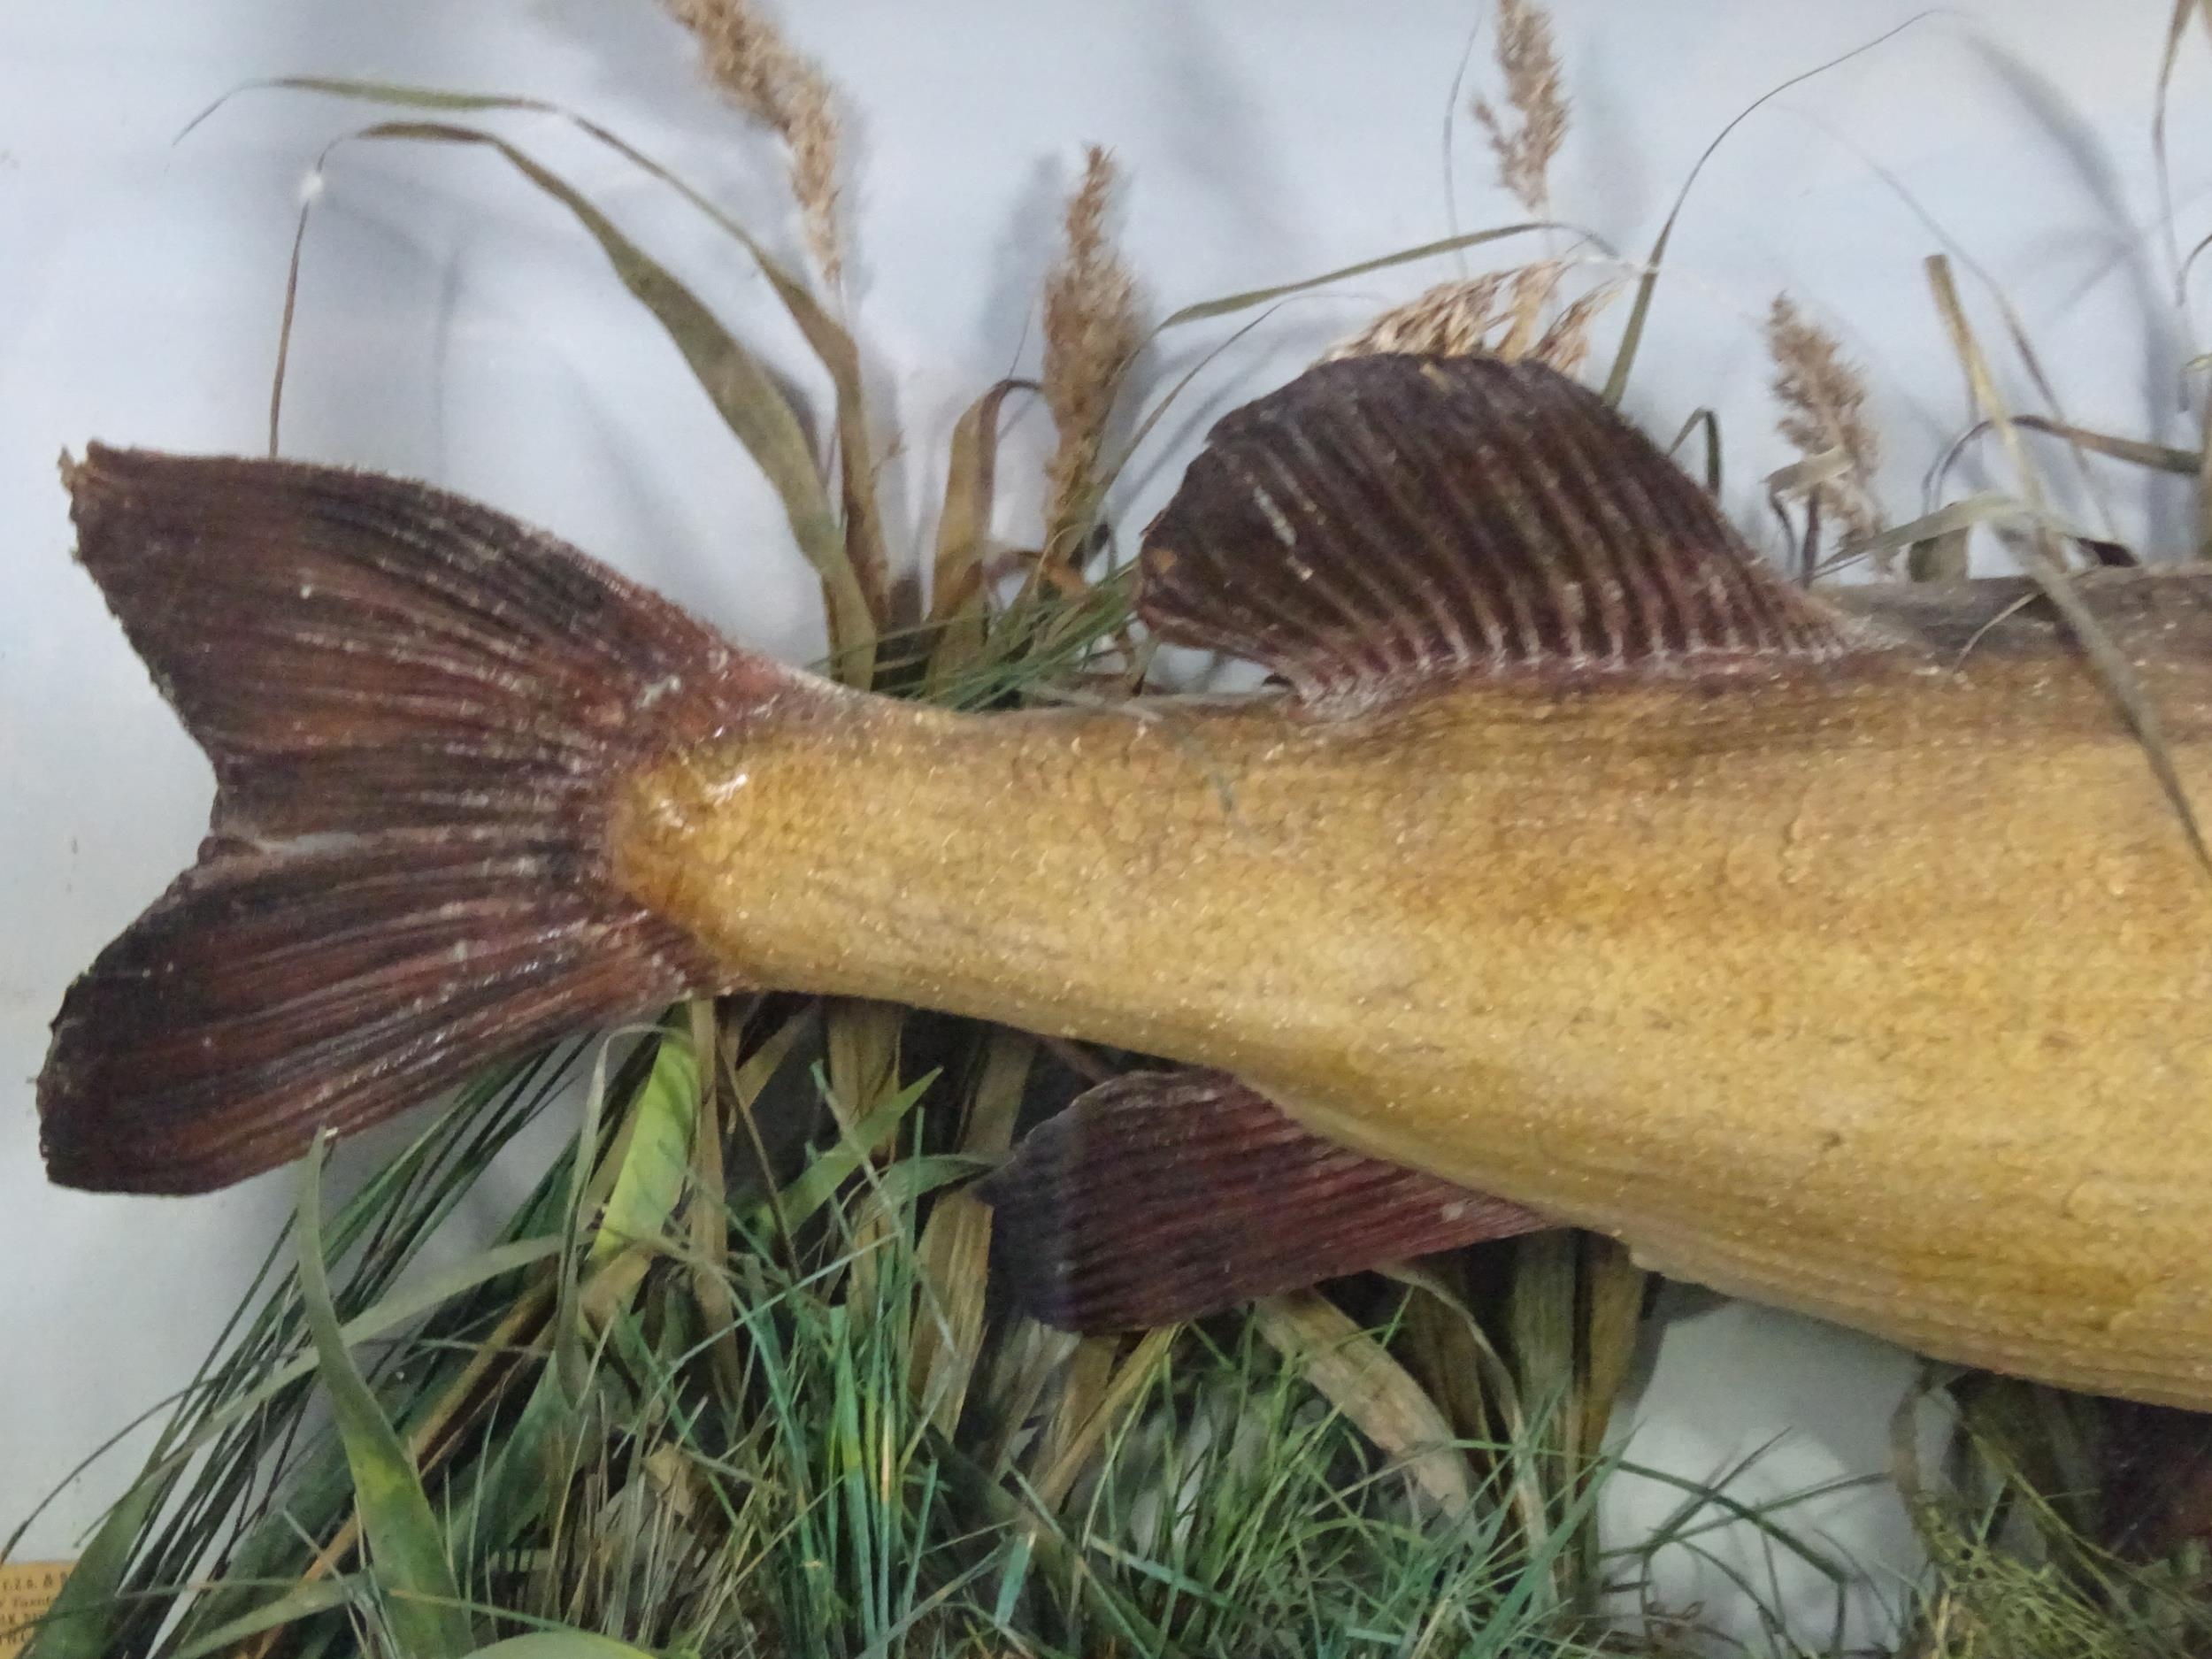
(1386, 522)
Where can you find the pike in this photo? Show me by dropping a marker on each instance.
(1577, 871)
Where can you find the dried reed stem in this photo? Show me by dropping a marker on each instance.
(1823, 405)
(1525, 143)
(784, 90)
(1090, 333)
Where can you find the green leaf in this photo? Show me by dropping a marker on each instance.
(406, 1549)
(662, 1118)
(560, 1644)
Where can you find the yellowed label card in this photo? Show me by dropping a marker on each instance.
(28, 1588)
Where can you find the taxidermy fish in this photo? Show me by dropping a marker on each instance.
(1577, 871)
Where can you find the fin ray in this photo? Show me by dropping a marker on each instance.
(415, 708)
(1163, 1196)
(1389, 521)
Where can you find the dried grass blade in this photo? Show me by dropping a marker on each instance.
(1709, 422)
(829, 338)
(970, 473)
(2159, 457)
(1230, 303)
(1640, 310)
(1441, 1352)
(1025, 1361)
(2040, 561)
(1505, 1395)
(963, 529)
(1083, 1433)
(2168, 56)
(952, 1262)
(863, 1057)
(1800, 476)
(1357, 1375)
(707, 1218)
(1613, 1306)
(1992, 507)
(407, 1550)
(746, 397)
(1543, 1328)
(2204, 480)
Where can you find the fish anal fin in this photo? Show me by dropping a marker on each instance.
(1389, 521)
(1162, 1196)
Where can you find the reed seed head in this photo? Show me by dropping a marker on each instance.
(1090, 333)
(786, 91)
(1823, 412)
(1526, 140)
(1452, 319)
(1497, 314)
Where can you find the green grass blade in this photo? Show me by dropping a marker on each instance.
(78, 1625)
(407, 1550)
(302, 1601)
(838, 1163)
(400, 1309)
(81, 1622)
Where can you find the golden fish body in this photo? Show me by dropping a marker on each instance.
(1854, 959)
(1880, 992)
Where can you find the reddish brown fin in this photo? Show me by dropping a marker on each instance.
(414, 707)
(1168, 1195)
(1385, 521)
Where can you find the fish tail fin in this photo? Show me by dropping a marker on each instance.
(415, 708)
